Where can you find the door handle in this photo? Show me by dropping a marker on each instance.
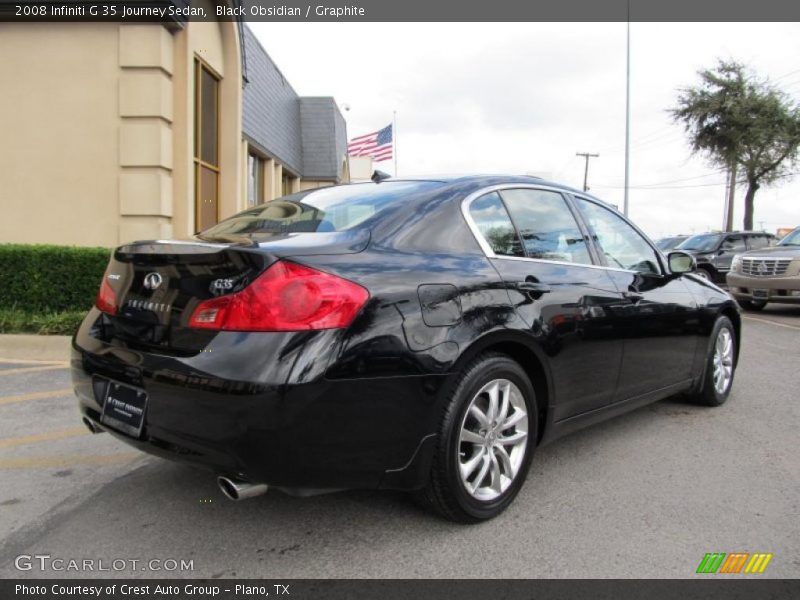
(632, 296)
(532, 286)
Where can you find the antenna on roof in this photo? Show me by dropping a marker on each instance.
(379, 176)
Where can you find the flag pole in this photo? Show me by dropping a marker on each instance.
(394, 140)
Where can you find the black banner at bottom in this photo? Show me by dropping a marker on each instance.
(400, 589)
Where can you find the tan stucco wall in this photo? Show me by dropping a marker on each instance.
(97, 131)
(59, 133)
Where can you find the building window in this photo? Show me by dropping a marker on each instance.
(206, 146)
(255, 179)
(287, 183)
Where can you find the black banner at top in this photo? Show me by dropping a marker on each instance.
(179, 11)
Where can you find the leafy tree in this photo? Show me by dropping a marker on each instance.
(737, 120)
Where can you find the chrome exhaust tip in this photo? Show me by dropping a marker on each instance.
(240, 490)
(90, 425)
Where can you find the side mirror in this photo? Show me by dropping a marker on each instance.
(681, 262)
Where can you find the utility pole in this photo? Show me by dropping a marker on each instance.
(586, 156)
(728, 223)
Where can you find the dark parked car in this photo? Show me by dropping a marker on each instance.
(413, 335)
(714, 252)
(670, 243)
(767, 275)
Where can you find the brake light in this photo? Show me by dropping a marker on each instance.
(286, 297)
(106, 298)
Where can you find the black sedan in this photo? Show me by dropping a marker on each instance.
(420, 335)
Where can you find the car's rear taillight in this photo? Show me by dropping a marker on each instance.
(106, 298)
(286, 297)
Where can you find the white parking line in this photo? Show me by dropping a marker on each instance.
(5, 372)
(749, 318)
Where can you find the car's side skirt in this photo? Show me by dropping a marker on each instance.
(568, 425)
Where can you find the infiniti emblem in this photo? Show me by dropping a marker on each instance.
(152, 281)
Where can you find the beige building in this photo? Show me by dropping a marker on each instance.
(114, 132)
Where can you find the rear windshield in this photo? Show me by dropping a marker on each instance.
(704, 242)
(321, 210)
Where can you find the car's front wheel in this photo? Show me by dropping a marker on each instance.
(703, 273)
(485, 443)
(720, 365)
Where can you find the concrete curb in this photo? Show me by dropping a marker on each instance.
(35, 347)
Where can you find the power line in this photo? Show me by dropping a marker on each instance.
(675, 187)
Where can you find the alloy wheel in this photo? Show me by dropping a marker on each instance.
(723, 361)
(493, 439)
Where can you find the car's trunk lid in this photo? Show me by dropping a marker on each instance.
(158, 284)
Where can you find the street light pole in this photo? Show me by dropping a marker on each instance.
(586, 156)
(625, 204)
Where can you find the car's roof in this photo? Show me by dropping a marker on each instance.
(493, 179)
(734, 233)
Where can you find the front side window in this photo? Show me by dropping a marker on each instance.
(547, 226)
(622, 245)
(494, 224)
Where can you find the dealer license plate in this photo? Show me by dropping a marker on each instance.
(124, 407)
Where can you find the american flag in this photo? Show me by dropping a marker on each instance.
(378, 145)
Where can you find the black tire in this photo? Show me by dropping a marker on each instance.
(707, 394)
(752, 305)
(704, 273)
(445, 493)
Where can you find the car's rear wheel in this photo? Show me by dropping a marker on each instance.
(485, 443)
(754, 305)
(720, 365)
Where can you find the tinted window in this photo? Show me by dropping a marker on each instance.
(546, 225)
(622, 245)
(733, 243)
(493, 222)
(322, 210)
(759, 241)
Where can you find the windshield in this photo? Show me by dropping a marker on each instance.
(669, 243)
(335, 208)
(705, 242)
(793, 239)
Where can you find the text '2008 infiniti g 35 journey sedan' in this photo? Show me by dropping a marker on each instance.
(415, 335)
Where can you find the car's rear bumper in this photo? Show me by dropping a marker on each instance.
(778, 289)
(284, 424)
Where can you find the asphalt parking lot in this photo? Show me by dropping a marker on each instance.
(644, 495)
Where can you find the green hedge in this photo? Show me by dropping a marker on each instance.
(46, 280)
(56, 323)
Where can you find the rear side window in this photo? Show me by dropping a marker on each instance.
(759, 241)
(494, 224)
(546, 224)
(322, 210)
